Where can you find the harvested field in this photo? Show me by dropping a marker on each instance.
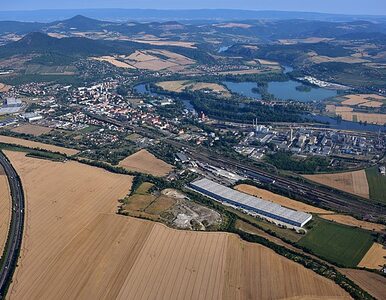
(156, 60)
(75, 247)
(175, 57)
(348, 220)
(216, 266)
(249, 71)
(318, 59)
(284, 201)
(145, 162)
(112, 60)
(350, 182)
(167, 43)
(36, 145)
(371, 282)
(233, 25)
(375, 258)
(371, 118)
(4, 88)
(31, 129)
(5, 209)
(369, 100)
(61, 200)
(372, 104)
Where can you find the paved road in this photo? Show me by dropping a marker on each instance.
(15, 235)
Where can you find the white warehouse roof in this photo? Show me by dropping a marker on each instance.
(271, 209)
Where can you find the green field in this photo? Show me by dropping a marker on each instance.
(377, 184)
(337, 243)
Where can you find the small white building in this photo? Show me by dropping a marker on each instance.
(30, 117)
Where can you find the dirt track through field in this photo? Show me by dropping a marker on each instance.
(75, 246)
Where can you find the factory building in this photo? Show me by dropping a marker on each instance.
(251, 204)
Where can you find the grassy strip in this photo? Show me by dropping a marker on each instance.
(377, 185)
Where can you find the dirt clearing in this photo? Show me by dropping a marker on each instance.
(374, 258)
(5, 209)
(31, 129)
(350, 182)
(145, 162)
(36, 145)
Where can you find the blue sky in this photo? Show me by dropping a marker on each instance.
(331, 6)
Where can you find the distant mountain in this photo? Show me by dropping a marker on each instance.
(37, 42)
(19, 27)
(162, 15)
(41, 43)
(78, 22)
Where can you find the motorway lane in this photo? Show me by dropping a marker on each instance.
(15, 235)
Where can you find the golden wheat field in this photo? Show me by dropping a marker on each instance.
(32, 129)
(61, 200)
(115, 62)
(145, 162)
(350, 182)
(375, 258)
(371, 118)
(74, 246)
(371, 282)
(36, 145)
(5, 209)
(4, 88)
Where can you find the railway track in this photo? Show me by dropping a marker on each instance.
(314, 194)
(352, 205)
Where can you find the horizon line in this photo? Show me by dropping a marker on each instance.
(191, 9)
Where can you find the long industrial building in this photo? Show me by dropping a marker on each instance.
(252, 204)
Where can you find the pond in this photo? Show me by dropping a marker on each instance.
(142, 89)
(286, 90)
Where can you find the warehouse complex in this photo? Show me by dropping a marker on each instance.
(252, 204)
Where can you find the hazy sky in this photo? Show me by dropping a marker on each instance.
(332, 6)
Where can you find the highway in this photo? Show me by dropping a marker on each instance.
(15, 234)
